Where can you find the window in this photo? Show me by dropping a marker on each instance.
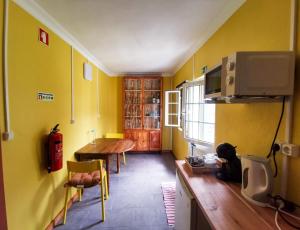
(199, 119)
(186, 108)
(172, 108)
(181, 115)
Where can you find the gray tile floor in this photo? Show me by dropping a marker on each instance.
(135, 202)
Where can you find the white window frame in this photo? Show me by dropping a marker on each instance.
(169, 123)
(182, 111)
(199, 81)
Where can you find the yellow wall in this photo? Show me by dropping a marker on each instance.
(179, 145)
(257, 25)
(110, 104)
(34, 197)
(1, 114)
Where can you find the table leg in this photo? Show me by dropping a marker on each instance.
(107, 170)
(118, 163)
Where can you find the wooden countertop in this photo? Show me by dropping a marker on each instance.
(223, 205)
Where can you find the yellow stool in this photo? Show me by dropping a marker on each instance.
(83, 175)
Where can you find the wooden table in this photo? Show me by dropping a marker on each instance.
(103, 149)
(222, 204)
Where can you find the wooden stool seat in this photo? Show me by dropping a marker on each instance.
(85, 180)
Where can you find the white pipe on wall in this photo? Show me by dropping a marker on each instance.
(97, 94)
(8, 134)
(193, 67)
(289, 104)
(72, 88)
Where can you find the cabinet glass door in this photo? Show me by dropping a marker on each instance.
(152, 103)
(133, 84)
(133, 104)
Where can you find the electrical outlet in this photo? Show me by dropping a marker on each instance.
(290, 150)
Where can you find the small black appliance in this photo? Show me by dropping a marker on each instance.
(231, 168)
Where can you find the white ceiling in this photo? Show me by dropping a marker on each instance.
(140, 36)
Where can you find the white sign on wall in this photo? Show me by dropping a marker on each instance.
(45, 96)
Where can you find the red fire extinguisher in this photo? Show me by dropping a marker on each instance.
(55, 150)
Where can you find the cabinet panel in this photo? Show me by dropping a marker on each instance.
(140, 138)
(132, 136)
(143, 141)
(155, 143)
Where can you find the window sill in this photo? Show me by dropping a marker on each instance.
(201, 147)
(199, 142)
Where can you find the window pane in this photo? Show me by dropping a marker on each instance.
(189, 112)
(175, 98)
(202, 94)
(196, 95)
(195, 128)
(209, 113)
(190, 95)
(200, 115)
(187, 95)
(191, 129)
(173, 120)
(209, 133)
(195, 113)
(201, 136)
(188, 131)
(173, 108)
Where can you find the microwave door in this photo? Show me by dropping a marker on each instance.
(223, 76)
(213, 82)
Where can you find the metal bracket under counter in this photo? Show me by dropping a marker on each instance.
(222, 204)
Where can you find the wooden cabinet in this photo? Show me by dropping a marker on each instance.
(142, 112)
(155, 143)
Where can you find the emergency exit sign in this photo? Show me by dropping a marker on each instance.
(43, 37)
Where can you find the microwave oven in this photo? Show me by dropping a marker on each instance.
(246, 74)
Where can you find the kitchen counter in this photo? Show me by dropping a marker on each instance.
(223, 205)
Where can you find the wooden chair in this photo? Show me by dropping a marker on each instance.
(119, 136)
(83, 175)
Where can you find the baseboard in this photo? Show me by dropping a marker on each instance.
(142, 152)
(166, 151)
(169, 151)
(58, 219)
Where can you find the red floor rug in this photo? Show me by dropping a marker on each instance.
(169, 193)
